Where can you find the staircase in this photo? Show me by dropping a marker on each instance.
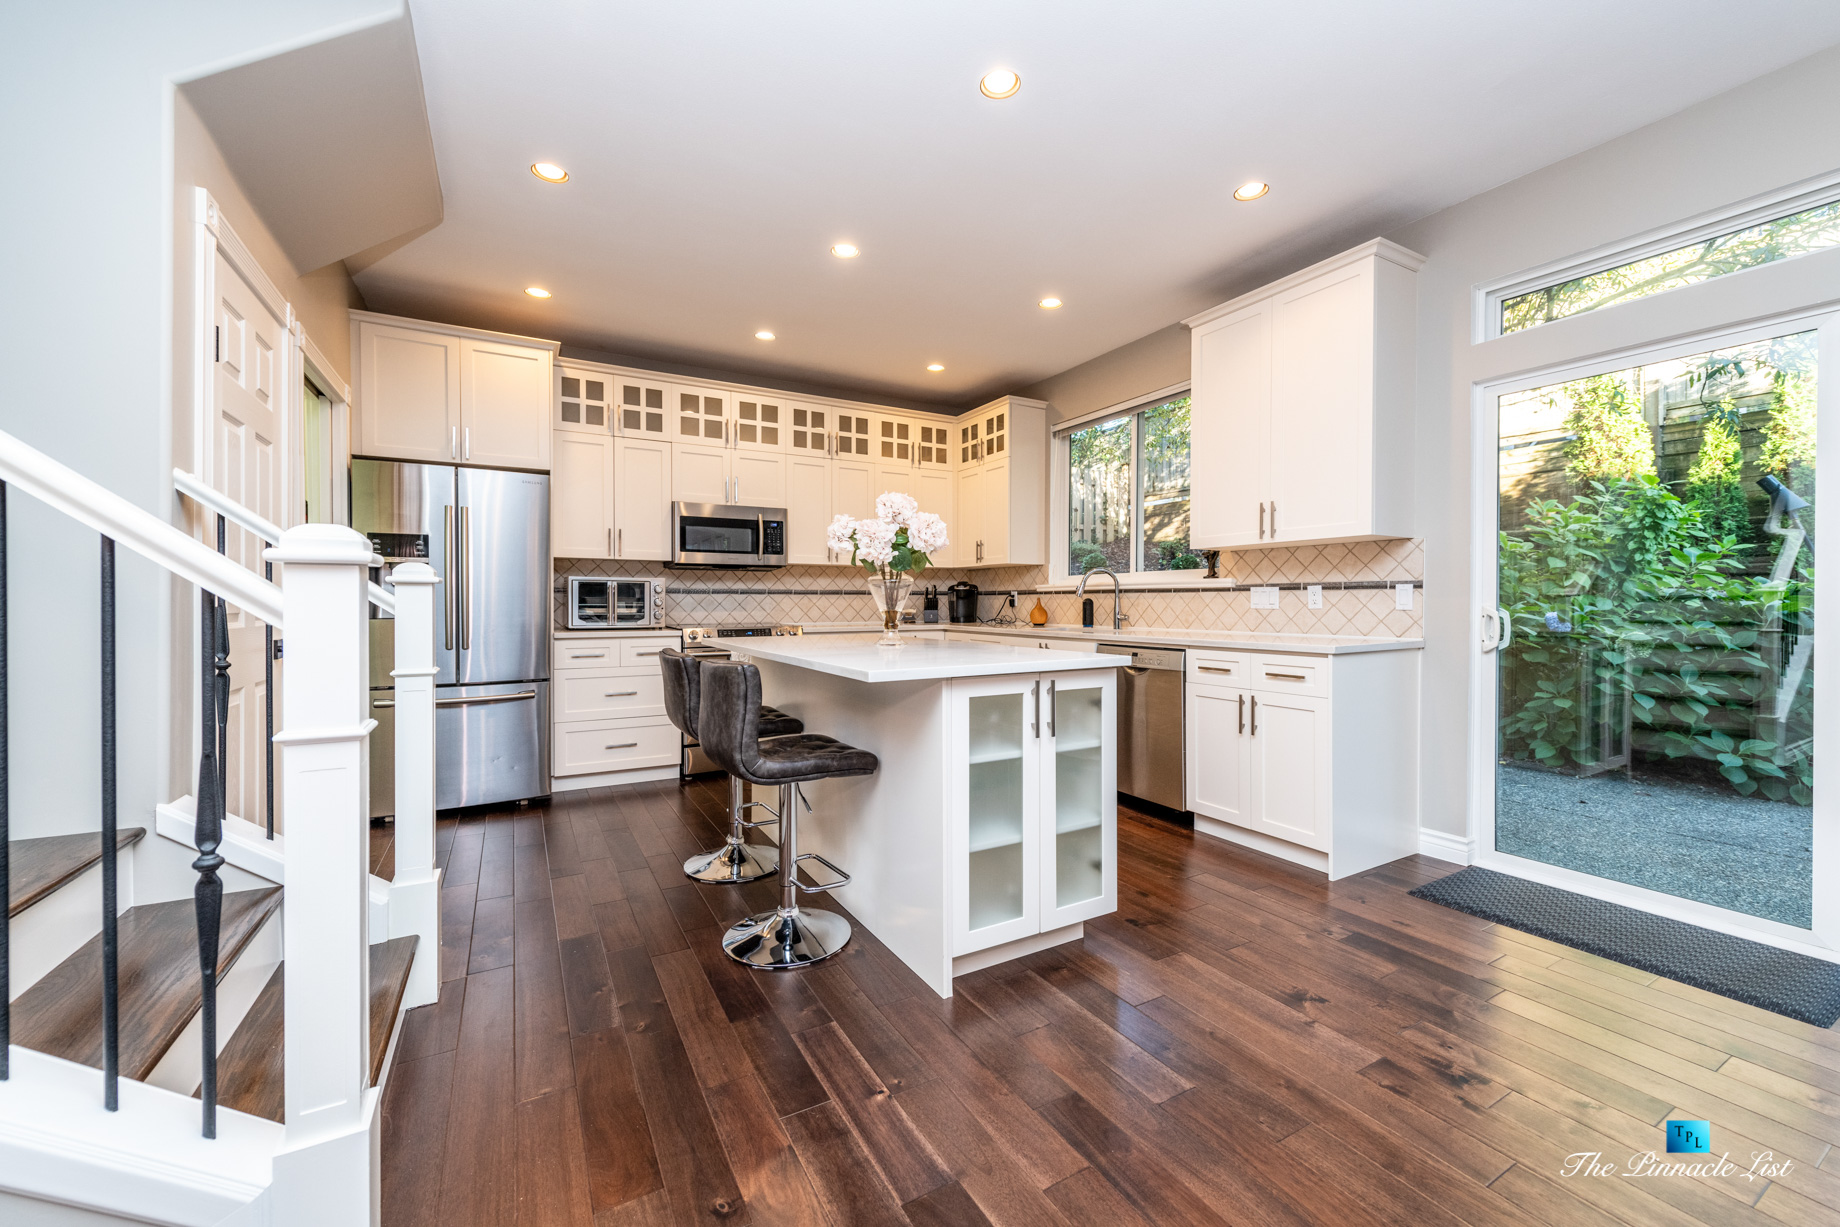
(199, 1010)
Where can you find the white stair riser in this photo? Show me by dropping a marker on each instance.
(56, 927)
(182, 1068)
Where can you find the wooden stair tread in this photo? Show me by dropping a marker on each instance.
(250, 1074)
(158, 978)
(39, 866)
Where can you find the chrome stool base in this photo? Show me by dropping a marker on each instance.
(784, 938)
(733, 863)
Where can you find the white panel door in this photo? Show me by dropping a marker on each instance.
(853, 489)
(1079, 797)
(933, 488)
(1228, 431)
(757, 479)
(993, 512)
(1289, 741)
(505, 393)
(409, 394)
(642, 499)
(699, 473)
(995, 831)
(1322, 388)
(969, 530)
(808, 510)
(248, 462)
(1218, 753)
(581, 496)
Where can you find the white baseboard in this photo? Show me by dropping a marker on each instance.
(1258, 841)
(1443, 846)
(978, 960)
(609, 779)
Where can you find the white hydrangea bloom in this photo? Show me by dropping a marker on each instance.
(841, 534)
(875, 541)
(896, 508)
(926, 532)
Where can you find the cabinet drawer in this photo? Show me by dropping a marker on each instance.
(587, 654)
(598, 695)
(1218, 669)
(636, 653)
(1288, 674)
(583, 748)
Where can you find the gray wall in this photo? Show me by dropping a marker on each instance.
(1143, 366)
(86, 339)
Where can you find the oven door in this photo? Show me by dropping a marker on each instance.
(635, 602)
(727, 535)
(590, 603)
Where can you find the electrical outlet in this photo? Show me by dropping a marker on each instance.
(1315, 596)
(1402, 596)
(1265, 598)
(1012, 600)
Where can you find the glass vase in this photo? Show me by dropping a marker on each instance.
(890, 591)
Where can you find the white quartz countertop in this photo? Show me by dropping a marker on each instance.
(920, 660)
(1150, 636)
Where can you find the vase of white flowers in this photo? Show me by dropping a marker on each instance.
(892, 548)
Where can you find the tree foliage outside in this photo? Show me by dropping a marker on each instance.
(1646, 627)
(1118, 485)
(1809, 230)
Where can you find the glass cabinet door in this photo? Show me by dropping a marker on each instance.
(1079, 797)
(998, 886)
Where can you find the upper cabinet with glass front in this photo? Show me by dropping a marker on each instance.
(1002, 502)
(1302, 406)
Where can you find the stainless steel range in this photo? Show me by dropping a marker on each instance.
(704, 642)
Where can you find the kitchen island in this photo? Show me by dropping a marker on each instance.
(990, 830)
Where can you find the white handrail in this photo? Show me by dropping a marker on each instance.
(68, 491)
(242, 517)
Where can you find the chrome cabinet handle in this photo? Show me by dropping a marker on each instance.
(586, 655)
(468, 700)
(1242, 713)
(610, 541)
(654, 653)
(619, 694)
(619, 539)
(620, 745)
(453, 443)
(1274, 519)
(1261, 521)
(1051, 706)
(1255, 715)
(466, 442)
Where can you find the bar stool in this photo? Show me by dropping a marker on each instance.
(736, 861)
(729, 728)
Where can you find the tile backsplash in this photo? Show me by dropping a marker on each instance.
(1357, 580)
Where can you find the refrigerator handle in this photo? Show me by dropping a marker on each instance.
(449, 581)
(466, 581)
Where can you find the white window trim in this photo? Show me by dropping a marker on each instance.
(1059, 578)
(1823, 940)
(1782, 202)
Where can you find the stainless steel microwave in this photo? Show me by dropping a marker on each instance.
(614, 604)
(728, 535)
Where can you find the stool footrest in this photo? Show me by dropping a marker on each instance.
(843, 879)
(769, 822)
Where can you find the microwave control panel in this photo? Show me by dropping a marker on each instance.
(774, 534)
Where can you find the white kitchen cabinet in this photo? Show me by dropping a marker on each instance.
(644, 406)
(438, 394)
(758, 479)
(1034, 833)
(1310, 757)
(935, 450)
(642, 499)
(853, 435)
(810, 431)
(704, 473)
(1301, 423)
(932, 489)
(808, 510)
(760, 423)
(581, 502)
(583, 400)
(853, 489)
(1001, 487)
(702, 414)
(609, 724)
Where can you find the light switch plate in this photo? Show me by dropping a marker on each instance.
(1265, 598)
(1402, 596)
(1315, 591)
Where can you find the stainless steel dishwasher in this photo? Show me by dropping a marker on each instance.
(1150, 736)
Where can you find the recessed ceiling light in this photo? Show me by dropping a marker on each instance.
(845, 251)
(549, 172)
(536, 291)
(999, 83)
(1251, 191)
(763, 335)
(1050, 304)
(935, 366)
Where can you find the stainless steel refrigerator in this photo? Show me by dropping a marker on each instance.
(486, 534)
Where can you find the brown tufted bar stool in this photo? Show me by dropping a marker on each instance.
(736, 861)
(729, 728)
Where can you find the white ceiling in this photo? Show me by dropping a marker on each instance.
(717, 150)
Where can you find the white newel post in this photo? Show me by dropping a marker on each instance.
(415, 894)
(323, 1175)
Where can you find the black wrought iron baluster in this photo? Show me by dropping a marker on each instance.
(268, 703)
(6, 819)
(208, 828)
(111, 1005)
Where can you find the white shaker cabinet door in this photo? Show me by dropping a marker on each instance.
(853, 490)
(581, 496)
(699, 473)
(933, 489)
(758, 478)
(409, 394)
(1218, 753)
(1322, 396)
(642, 499)
(1229, 425)
(1289, 741)
(808, 510)
(505, 397)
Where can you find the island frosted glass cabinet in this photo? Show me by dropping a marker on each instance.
(990, 828)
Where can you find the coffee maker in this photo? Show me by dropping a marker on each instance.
(962, 602)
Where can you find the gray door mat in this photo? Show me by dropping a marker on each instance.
(1781, 981)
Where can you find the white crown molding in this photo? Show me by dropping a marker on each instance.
(1382, 249)
(455, 330)
(778, 396)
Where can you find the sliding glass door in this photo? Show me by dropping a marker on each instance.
(1656, 637)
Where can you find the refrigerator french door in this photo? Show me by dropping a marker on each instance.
(486, 534)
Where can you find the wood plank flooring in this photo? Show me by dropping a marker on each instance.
(1241, 1043)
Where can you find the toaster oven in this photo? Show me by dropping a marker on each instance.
(597, 604)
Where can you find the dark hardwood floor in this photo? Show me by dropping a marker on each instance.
(1242, 1043)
